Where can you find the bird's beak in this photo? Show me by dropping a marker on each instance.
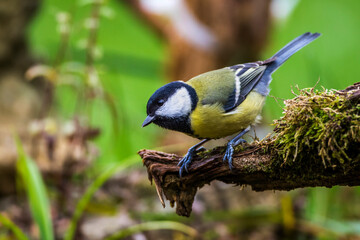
(149, 119)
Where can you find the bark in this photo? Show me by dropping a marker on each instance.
(251, 167)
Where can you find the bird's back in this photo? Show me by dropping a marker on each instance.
(209, 119)
(215, 86)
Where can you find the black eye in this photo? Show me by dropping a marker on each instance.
(160, 102)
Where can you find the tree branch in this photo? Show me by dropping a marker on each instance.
(259, 165)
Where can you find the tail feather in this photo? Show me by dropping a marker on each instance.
(291, 48)
(281, 56)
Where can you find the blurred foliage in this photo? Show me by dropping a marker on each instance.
(155, 225)
(35, 188)
(34, 185)
(128, 59)
(7, 223)
(90, 191)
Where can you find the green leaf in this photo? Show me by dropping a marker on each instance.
(36, 193)
(18, 233)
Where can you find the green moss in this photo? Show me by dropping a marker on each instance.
(318, 126)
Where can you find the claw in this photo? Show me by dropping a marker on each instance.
(230, 147)
(240, 141)
(228, 155)
(181, 161)
(185, 162)
(201, 149)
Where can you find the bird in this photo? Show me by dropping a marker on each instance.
(219, 103)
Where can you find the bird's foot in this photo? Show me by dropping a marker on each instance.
(185, 162)
(187, 159)
(228, 156)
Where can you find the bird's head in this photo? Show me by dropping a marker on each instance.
(171, 105)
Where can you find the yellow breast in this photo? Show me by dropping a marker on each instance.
(210, 121)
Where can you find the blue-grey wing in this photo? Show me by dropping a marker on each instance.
(246, 75)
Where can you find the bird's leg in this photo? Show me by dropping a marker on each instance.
(185, 162)
(231, 144)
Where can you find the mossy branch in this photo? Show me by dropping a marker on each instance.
(315, 143)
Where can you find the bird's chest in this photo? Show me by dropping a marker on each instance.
(211, 122)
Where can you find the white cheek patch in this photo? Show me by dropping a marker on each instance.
(179, 104)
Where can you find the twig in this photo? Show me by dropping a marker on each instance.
(251, 167)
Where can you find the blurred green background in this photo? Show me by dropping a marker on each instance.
(130, 58)
(131, 67)
(333, 58)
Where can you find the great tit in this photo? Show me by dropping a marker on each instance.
(218, 103)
